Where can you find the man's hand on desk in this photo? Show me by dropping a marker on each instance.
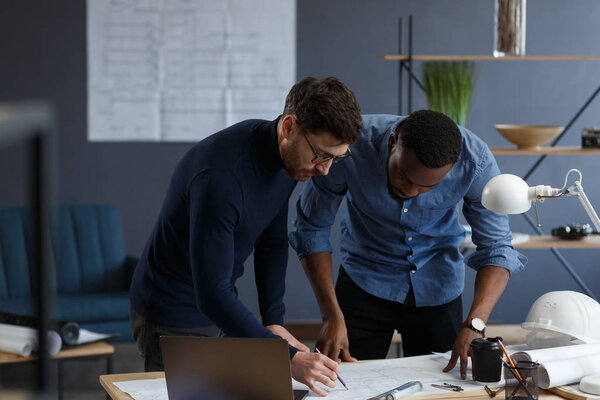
(333, 339)
(310, 368)
(462, 349)
(284, 334)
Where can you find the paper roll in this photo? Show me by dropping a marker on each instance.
(21, 334)
(7, 330)
(54, 342)
(69, 332)
(22, 347)
(567, 371)
(556, 353)
(563, 365)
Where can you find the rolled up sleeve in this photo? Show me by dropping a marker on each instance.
(491, 231)
(316, 209)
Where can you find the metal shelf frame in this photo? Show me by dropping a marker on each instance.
(33, 123)
(406, 65)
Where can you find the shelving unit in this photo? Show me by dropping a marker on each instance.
(545, 150)
(33, 123)
(431, 57)
(551, 242)
(538, 241)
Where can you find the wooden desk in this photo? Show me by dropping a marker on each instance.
(90, 351)
(116, 394)
(86, 350)
(15, 395)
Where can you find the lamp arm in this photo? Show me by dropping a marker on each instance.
(541, 192)
(578, 191)
(578, 172)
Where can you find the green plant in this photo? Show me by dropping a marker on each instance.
(448, 87)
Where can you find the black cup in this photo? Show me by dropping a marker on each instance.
(486, 355)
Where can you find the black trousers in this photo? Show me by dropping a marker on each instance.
(147, 336)
(371, 322)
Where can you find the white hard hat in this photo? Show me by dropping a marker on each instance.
(567, 313)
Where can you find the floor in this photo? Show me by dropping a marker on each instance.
(81, 377)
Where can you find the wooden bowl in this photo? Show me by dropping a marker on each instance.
(529, 136)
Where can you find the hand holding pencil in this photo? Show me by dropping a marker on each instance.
(313, 368)
(338, 375)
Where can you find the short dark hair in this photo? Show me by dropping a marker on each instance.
(433, 136)
(325, 105)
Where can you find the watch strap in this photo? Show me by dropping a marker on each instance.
(467, 324)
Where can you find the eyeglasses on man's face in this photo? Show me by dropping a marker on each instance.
(323, 158)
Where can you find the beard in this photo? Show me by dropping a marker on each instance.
(292, 164)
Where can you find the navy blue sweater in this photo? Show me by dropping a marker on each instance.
(228, 196)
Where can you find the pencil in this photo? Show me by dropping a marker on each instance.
(510, 361)
(339, 377)
(514, 370)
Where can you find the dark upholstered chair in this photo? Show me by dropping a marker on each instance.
(90, 272)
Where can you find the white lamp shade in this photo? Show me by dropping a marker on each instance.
(506, 194)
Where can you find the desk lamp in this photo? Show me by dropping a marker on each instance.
(509, 194)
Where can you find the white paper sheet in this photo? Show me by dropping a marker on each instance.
(145, 389)
(180, 70)
(86, 336)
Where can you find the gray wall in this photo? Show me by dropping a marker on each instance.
(43, 54)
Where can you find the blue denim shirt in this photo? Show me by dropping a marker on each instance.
(388, 245)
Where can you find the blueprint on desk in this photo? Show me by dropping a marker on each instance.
(368, 379)
(145, 389)
(364, 379)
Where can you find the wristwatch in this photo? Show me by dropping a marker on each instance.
(476, 324)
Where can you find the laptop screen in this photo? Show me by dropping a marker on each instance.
(227, 368)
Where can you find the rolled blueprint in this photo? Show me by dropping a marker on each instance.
(567, 371)
(563, 365)
(15, 331)
(14, 336)
(556, 353)
(68, 331)
(20, 346)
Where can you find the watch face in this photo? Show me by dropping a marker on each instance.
(478, 324)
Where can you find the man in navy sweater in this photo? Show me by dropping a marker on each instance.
(229, 196)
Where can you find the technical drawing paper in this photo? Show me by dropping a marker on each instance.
(368, 379)
(180, 70)
(145, 389)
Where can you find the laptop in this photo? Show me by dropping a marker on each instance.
(227, 369)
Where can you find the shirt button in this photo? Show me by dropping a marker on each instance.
(405, 210)
(409, 238)
(413, 272)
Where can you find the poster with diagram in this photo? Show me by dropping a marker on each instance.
(180, 70)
